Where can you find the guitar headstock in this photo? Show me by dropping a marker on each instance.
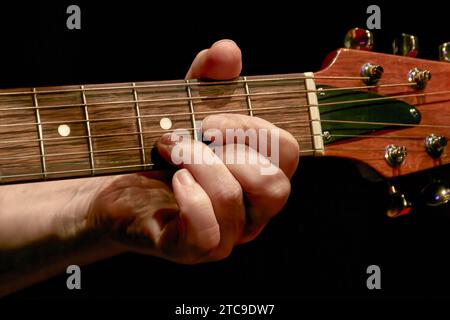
(401, 123)
(406, 118)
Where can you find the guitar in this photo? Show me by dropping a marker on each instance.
(389, 112)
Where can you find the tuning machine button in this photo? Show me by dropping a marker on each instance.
(435, 145)
(372, 73)
(358, 38)
(419, 77)
(395, 155)
(398, 204)
(406, 45)
(436, 194)
(444, 52)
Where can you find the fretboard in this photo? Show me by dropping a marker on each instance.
(85, 130)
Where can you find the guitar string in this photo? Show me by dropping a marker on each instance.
(141, 166)
(190, 84)
(146, 165)
(211, 112)
(372, 123)
(297, 137)
(135, 133)
(117, 104)
(180, 84)
(294, 122)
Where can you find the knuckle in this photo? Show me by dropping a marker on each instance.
(280, 190)
(231, 194)
(209, 237)
(279, 186)
(277, 189)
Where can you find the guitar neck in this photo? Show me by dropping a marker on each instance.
(87, 130)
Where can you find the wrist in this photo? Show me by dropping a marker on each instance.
(48, 222)
(60, 210)
(77, 220)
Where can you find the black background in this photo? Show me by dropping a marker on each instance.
(319, 247)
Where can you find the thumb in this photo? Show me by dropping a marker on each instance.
(223, 61)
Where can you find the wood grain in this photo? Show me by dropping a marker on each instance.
(124, 118)
(434, 109)
(110, 112)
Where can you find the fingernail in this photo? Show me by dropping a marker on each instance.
(224, 41)
(185, 177)
(166, 139)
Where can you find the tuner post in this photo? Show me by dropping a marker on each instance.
(436, 194)
(398, 204)
(406, 45)
(444, 52)
(395, 155)
(419, 77)
(372, 73)
(358, 38)
(435, 145)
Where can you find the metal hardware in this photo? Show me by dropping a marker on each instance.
(444, 52)
(395, 155)
(436, 194)
(374, 72)
(398, 204)
(419, 76)
(358, 38)
(406, 45)
(435, 145)
(326, 135)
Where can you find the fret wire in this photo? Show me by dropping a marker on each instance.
(88, 130)
(183, 84)
(249, 102)
(191, 109)
(139, 123)
(40, 135)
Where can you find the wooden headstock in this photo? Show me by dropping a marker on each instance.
(432, 101)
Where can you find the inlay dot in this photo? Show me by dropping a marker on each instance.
(64, 130)
(165, 123)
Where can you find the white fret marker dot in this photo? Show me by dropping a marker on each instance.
(165, 123)
(64, 130)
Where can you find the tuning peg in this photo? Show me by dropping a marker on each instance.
(436, 194)
(358, 38)
(444, 52)
(398, 204)
(435, 145)
(406, 45)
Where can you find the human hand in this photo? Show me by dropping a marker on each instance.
(205, 210)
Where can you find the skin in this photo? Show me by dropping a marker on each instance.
(184, 216)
